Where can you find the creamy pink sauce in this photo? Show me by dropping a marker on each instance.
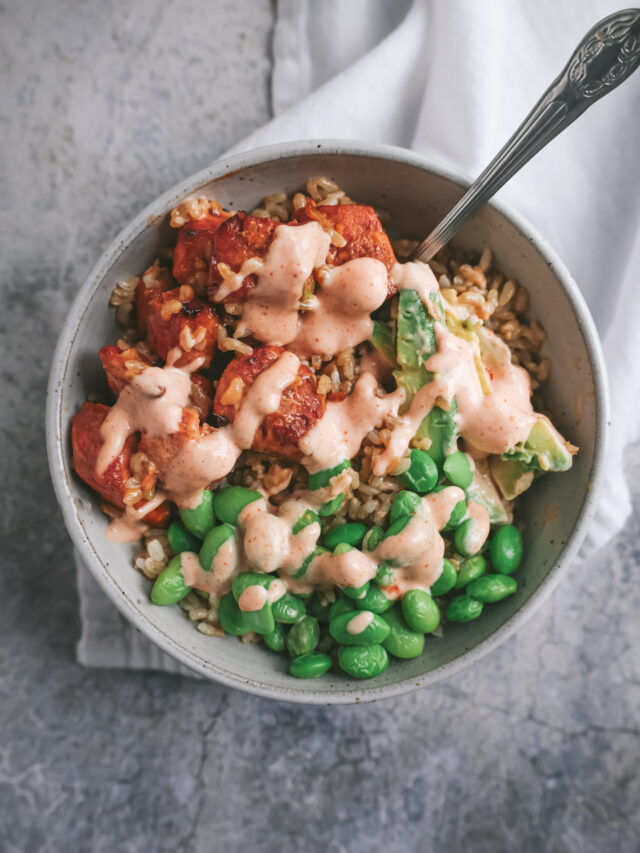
(478, 529)
(269, 542)
(125, 530)
(217, 581)
(357, 624)
(199, 463)
(415, 553)
(418, 549)
(152, 402)
(417, 276)
(491, 422)
(340, 316)
(129, 527)
(353, 569)
(263, 398)
(270, 312)
(341, 430)
(255, 597)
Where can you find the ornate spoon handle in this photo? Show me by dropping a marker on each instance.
(606, 56)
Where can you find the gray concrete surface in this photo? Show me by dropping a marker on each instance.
(102, 106)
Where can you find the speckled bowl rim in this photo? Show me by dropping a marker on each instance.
(356, 692)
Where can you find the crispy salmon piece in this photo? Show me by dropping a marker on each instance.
(162, 449)
(193, 251)
(155, 280)
(241, 237)
(201, 394)
(158, 517)
(86, 442)
(121, 365)
(300, 405)
(358, 224)
(187, 323)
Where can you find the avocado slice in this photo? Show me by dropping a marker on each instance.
(382, 340)
(543, 450)
(483, 491)
(511, 477)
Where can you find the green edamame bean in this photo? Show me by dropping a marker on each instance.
(246, 579)
(352, 533)
(288, 609)
(212, 542)
(447, 579)
(231, 617)
(457, 514)
(303, 636)
(506, 549)
(230, 502)
(350, 591)
(356, 593)
(464, 609)
(318, 610)
(310, 665)
(492, 588)
(470, 570)
(420, 611)
(261, 621)
(402, 641)
(276, 639)
(372, 539)
(464, 537)
(330, 507)
(384, 575)
(308, 517)
(405, 503)
(339, 606)
(200, 519)
(322, 478)
(180, 539)
(169, 586)
(363, 661)
(398, 526)
(359, 628)
(374, 600)
(457, 469)
(422, 474)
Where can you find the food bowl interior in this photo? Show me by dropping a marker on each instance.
(416, 198)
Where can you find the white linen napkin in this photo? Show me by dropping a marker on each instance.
(453, 80)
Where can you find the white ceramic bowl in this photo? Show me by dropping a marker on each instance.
(555, 511)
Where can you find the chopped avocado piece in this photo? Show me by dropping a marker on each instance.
(416, 341)
(543, 450)
(482, 491)
(511, 477)
(440, 427)
(415, 344)
(382, 340)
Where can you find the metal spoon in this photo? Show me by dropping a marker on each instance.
(607, 55)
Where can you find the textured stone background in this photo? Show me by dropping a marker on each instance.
(102, 106)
